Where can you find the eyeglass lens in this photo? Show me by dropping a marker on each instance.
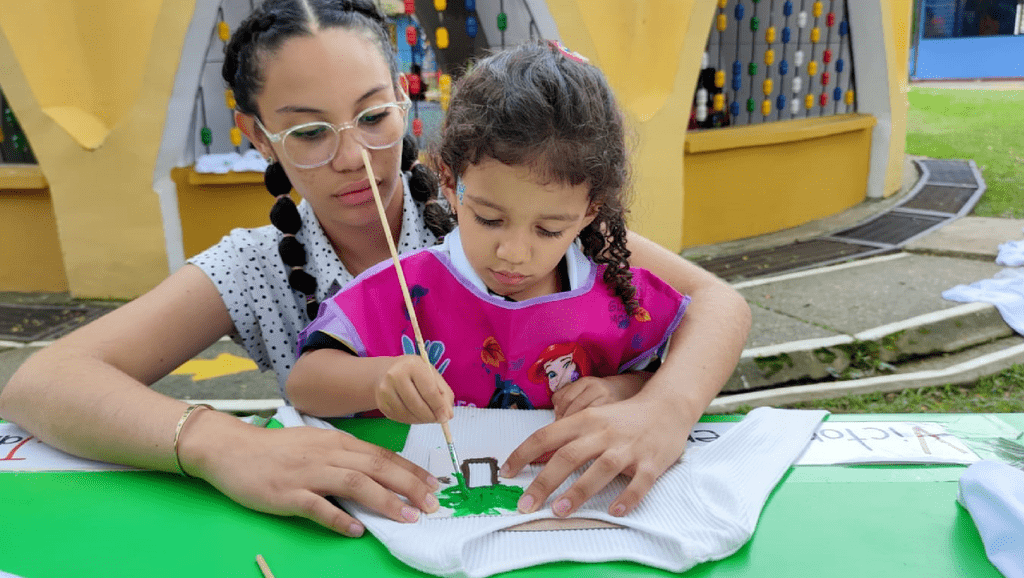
(315, 144)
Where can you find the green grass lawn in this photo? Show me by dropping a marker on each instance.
(983, 125)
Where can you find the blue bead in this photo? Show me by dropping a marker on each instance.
(783, 67)
(844, 28)
(780, 103)
(470, 5)
(737, 68)
(739, 12)
(837, 94)
(734, 108)
(471, 26)
(785, 35)
(787, 8)
(737, 81)
(839, 65)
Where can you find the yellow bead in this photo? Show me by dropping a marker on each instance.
(817, 9)
(767, 86)
(722, 4)
(812, 68)
(766, 107)
(769, 35)
(445, 82)
(769, 56)
(442, 37)
(229, 99)
(719, 102)
(444, 101)
(815, 34)
(809, 101)
(720, 78)
(236, 136)
(722, 22)
(223, 31)
(440, 5)
(849, 97)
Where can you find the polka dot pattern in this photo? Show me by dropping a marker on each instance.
(253, 281)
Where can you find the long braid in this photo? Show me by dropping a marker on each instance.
(423, 185)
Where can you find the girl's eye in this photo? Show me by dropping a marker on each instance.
(311, 133)
(549, 234)
(487, 222)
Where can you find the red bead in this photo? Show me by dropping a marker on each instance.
(415, 83)
(827, 57)
(417, 126)
(824, 79)
(410, 7)
(824, 99)
(830, 19)
(411, 35)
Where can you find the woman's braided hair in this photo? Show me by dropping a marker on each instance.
(262, 33)
(537, 105)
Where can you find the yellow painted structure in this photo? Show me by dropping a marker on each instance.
(91, 82)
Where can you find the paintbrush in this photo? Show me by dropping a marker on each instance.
(405, 294)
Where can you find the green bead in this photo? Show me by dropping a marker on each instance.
(8, 115)
(754, 23)
(750, 105)
(752, 69)
(207, 135)
(502, 21)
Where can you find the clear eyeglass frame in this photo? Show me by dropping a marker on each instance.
(279, 137)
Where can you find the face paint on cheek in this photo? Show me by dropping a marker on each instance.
(460, 191)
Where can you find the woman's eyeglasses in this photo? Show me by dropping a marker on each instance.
(314, 144)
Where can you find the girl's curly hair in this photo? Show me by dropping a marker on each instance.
(537, 106)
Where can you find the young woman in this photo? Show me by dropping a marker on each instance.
(325, 65)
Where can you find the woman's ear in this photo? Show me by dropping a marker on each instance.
(247, 124)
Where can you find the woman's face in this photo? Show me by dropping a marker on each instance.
(332, 75)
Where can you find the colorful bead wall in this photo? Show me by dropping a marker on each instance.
(14, 147)
(774, 60)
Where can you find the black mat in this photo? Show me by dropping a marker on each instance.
(25, 323)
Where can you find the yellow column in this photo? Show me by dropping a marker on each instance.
(90, 84)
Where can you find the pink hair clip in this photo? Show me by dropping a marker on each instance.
(569, 53)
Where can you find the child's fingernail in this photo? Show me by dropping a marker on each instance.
(355, 530)
(504, 471)
(562, 506)
(619, 510)
(410, 514)
(432, 503)
(525, 504)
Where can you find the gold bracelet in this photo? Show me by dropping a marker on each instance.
(177, 432)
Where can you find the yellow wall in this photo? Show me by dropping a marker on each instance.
(29, 249)
(902, 16)
(89, 83)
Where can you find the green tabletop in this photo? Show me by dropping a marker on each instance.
(821, 520)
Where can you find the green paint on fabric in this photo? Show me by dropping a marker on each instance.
(486, 500)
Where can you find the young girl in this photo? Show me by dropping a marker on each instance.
(534, 159)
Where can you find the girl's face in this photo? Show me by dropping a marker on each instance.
(331, 76)
(516, 228)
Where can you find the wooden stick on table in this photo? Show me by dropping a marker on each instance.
(263, 566)
(405, 293)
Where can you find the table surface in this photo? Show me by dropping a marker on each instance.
(834, 521)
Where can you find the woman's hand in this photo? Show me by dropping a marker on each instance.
(589, 391)
(412, 391)
(637, 437)
(290, 471)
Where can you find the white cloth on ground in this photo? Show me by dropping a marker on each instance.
(993, 493)
(1011, 254)
(1005, 290)
(703, 508)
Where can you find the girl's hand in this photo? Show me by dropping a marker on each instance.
(589, 391)
(290, 471)
(412, 391)
(635, 437)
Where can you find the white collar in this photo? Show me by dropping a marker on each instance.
(577, 263)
